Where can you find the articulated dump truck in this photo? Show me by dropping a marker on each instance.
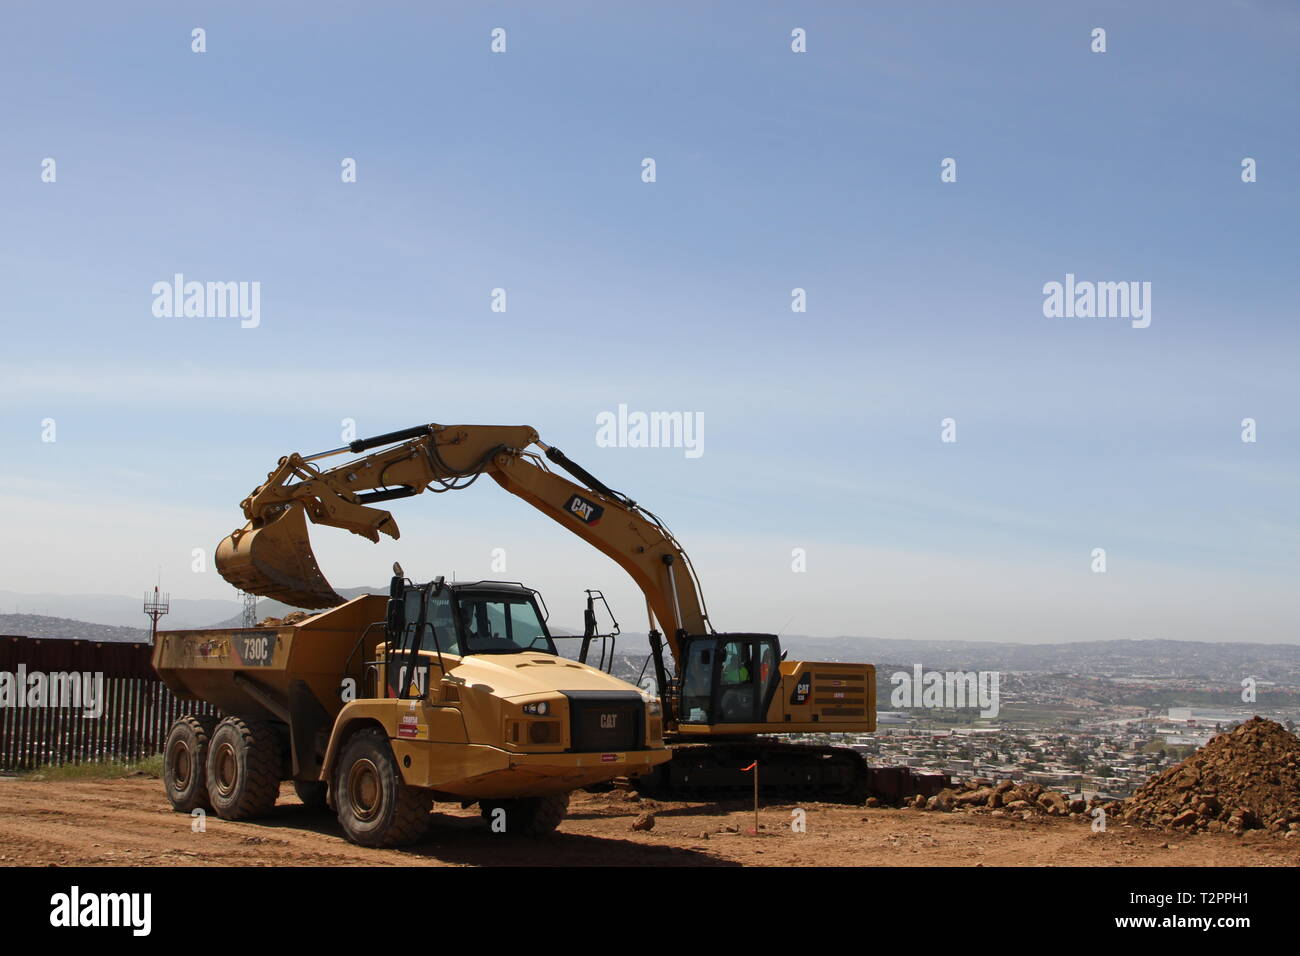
(377, 708)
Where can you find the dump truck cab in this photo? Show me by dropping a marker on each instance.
(446, 691)
(472, 668)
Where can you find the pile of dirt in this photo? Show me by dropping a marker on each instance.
(1247, 779)
(1005, 798)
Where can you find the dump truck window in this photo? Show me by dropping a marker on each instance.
(440, 628)
(501, 625)
(412, 598)
(525, 629)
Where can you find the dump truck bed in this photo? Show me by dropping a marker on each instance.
(263, 671)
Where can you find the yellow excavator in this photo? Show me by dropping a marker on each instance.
(726, 691)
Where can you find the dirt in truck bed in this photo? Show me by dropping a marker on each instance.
(128, 822)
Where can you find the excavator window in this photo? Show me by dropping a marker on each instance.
(728, 679)
(697, 681)
(736, 702)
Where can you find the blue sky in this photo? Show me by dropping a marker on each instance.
(775, 170)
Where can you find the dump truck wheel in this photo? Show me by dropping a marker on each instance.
(375, 808)
(243, 768)
(529, 816)
(185, 759)
(311, 793)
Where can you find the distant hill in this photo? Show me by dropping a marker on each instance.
(117, 609)
(1130, 658)
(40, 626)
(1278, 663)
(1220, 661)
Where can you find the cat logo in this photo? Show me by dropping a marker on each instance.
(585, 511)
(802, 690)
(608, 721)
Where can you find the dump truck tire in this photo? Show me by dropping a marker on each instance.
(185, 763)
(374, 807)
(529, 816)
(243, 768)
(311, 793)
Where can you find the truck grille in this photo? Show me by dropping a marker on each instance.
(606, 722)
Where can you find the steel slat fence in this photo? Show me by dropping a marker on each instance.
(138, 709)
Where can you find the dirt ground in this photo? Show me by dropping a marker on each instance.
(128, 822)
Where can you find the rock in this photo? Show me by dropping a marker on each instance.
(1244, 780)
(644, 821)
(1053, 802)
(1004, 785)
(873, 801)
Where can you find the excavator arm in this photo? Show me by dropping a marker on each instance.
(272, 555)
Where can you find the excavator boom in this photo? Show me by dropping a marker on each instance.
(272, 555)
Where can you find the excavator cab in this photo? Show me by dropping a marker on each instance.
(728, 678)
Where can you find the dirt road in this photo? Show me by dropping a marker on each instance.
(128, 822)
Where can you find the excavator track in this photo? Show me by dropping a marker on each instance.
(716, 771)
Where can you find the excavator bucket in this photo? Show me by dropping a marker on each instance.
(276, 561)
